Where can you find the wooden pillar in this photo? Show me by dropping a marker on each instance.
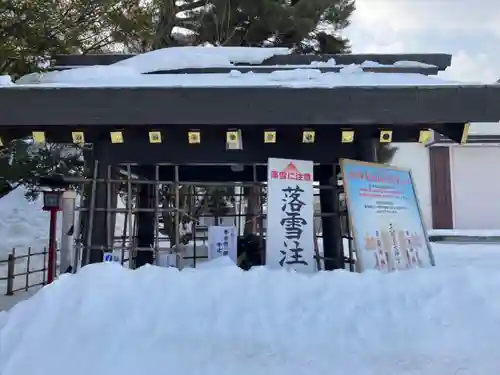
(332, 238)
(145, 226)
(96, 223)
(441, 197)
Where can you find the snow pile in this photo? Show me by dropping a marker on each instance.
(399, 64)
(175, 58)
(324, 64)
(412, 64)
(223, 261)
(349, 76)
(479, 256)
(352, 69)
(294, 75)
(84, 74)
(22, 224)
(5, 80)
(465, 232)
(224, 321)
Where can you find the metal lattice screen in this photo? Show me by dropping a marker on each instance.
(169, 217)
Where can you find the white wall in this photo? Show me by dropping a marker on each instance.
(415, 157)
(475, 187)
(482, 128)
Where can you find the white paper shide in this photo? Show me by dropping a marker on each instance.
(290, 215)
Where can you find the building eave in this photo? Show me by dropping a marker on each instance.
(341, 106)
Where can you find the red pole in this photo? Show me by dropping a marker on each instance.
(52, 246)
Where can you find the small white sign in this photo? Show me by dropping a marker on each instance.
(112, 257)
(222, 241)
(290, 215)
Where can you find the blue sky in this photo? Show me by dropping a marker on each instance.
(469, 30)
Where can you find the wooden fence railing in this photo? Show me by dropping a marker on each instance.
(23, 271)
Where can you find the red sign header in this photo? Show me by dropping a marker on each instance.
(290, 173)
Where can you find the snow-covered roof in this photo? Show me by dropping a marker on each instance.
(175, 58)
(132, 72)
(299, 78)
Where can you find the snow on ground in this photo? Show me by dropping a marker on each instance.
(463, 256)
(7, 302)
(22, 224)
(221, 320)
(5, 80)
(465, 232)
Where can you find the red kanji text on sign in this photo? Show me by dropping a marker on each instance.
(290, 173)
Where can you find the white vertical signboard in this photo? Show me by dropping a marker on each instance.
(222, 241)
(290, 215)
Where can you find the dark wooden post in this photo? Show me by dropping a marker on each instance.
(11, 264)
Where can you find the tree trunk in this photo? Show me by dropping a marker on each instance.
(163, 33)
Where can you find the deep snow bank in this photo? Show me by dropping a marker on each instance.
(224, 321)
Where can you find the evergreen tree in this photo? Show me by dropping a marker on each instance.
(31, 32)
(22, 163)
(385, 153)
(303, 25)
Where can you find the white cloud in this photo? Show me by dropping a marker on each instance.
(469, 30)
(481, 68)
(440, 14)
